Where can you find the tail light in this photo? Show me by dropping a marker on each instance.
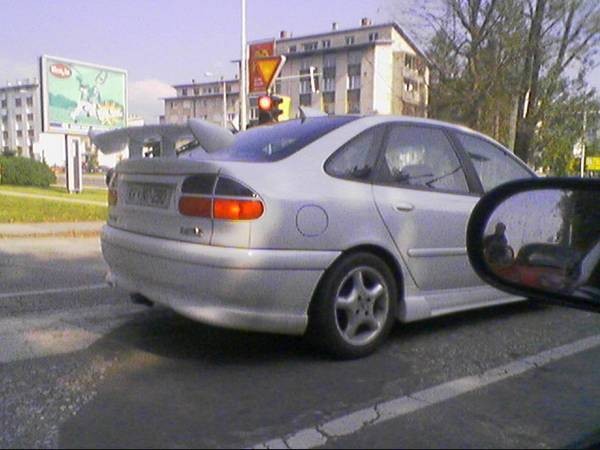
(219, 198)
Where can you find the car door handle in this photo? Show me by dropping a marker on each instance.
(404, 207)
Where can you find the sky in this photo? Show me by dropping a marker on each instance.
(164, 42)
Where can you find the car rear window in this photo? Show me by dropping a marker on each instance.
(270, 143)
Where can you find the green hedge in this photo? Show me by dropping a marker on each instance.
(25, 172)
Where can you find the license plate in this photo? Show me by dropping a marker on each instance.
(150, 195)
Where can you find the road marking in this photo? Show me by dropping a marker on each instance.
(41, 335)
(354, 422)
(91, 287)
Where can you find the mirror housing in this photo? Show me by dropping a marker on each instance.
(540, 239)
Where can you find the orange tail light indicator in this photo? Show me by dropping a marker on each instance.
(227, 209)
(221, 208)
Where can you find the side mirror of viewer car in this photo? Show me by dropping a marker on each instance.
(540, 239)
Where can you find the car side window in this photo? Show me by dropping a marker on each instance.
(421, 157)
(493, 165)
(356, 159)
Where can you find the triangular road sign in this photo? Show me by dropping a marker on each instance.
(269, 68)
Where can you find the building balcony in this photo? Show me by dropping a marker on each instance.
(411, 97)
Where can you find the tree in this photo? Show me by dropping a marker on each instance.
(510, 68)
(561, 32)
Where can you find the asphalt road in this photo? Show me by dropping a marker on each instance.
(80, 367)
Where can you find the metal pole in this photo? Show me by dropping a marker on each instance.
(224, 102)
(583, 143)
(243, 73)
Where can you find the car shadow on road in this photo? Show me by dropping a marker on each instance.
(178, 383)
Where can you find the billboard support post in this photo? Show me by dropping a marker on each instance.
(73, 167)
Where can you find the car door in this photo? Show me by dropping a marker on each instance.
(424, 197)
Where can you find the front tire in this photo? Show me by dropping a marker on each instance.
(354, 308)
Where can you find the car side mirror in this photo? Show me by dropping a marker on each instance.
(540, 239)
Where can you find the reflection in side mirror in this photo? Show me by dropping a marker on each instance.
(540, 239)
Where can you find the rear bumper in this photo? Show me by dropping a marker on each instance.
(254, 290)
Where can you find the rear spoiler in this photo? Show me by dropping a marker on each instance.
(210, 137)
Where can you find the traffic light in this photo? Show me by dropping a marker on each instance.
(273, 108)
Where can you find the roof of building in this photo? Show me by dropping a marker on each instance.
(23, 85)
(394, 25)
(205, 83)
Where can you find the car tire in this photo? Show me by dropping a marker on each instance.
(354, 308)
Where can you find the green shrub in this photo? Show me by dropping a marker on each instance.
(25, 172)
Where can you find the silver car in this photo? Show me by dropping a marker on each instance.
(333, 227)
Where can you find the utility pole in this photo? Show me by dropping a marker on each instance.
(224, 102)
(583, 143)
(243, 73)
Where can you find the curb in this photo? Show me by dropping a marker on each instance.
(62, 234)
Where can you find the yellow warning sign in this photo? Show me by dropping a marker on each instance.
(269, 68)
(593, 163)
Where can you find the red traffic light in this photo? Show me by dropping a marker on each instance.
(265, 103)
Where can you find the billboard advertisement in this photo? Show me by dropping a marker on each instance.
(78, 96)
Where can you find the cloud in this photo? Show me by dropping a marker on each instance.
(145, 98)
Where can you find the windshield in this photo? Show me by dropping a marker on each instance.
(275, 142)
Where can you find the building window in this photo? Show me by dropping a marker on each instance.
(328, 84)
(329, 60)
(4, 103)
(5, 135)
(305, 86)
(353, 82)
(19, 117)
(326, 43)
(306, 100)
(29, 101)
(184, 92)
(373, 37)
(354, 58)
(350, 40)
(30, 117)
(31, 133)
(410, 86)
(410, 62)
(329, 102)
(354, 102)
(293, 49)
(305, 64)
(196, 92)
(19, 133)
(18, 102)
(310, 46)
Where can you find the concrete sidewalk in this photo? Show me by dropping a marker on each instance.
(70, 229)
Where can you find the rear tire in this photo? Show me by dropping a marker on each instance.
(354, 308)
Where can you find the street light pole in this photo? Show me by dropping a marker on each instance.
(243, 73)
(583, 143)
(224, 102)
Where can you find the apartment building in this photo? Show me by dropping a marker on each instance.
(20, 117)
(370, 69)
(204, 101)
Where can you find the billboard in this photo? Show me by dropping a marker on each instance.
(78, 96)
